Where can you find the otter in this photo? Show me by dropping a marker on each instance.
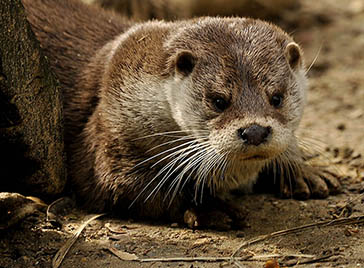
(166, 118)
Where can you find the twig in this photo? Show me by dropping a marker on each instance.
(193, 259)
(344, 221)
(220, 259)
(51, 205)
(238, 264)
(58, 258)
(313, 260)
(51, 217)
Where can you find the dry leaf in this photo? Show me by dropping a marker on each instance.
(122, 255)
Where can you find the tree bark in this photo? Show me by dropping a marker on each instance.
(31, 123)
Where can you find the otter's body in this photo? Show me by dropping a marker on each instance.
(161, 116)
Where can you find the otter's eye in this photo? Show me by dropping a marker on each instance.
(277, 100)
(220, 104)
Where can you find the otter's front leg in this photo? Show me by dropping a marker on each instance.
(299, 179)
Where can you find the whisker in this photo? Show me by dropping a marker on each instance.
(312, 148)
(197, 164)
(170, 171)
(193, 143)
(314, 59)
(220, 168)
(191, 165)
(158, 174)
(200, 182)
(201, 179)
(312, 142)
(180, 175)
(170, 132)
(214, 170)
(164, 152)
(177, 140)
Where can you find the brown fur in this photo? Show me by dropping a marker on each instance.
(124, 82)
(70, 44)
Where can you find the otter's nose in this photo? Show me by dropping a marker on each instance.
(254, 134)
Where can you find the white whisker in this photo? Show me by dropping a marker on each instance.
(196, 158)
(171, 132)
(170, 165)
(155, 177)
(164, 152)
(192, 145)
(314, 60)
(202, 174)
(190, 137)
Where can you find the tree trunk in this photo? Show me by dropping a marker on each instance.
(31, 123)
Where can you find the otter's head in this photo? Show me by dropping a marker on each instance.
(241, 80)
(238, 84)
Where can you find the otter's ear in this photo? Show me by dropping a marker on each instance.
(293, 55)
(185, 62)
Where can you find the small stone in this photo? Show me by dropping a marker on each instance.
(240, 234)
(341, 127)
(347, 152)
(201, 241)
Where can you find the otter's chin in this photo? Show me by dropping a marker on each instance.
(256, 158)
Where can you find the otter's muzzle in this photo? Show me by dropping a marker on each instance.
(254, 134)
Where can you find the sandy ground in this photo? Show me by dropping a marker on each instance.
(333, 125)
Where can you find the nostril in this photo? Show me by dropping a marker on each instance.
(267, 132)
(242, 135)
(254, 134)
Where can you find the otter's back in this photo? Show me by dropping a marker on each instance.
(70, 33)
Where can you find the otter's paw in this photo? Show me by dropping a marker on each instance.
(314, 182)
(224, 216)
(217, 220)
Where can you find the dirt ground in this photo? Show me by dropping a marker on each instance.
(333, 125)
